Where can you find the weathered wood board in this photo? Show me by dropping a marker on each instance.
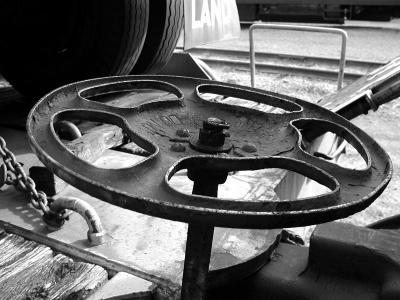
(29, 270)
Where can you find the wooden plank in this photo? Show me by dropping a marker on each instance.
(31, 271)
(97, 139)
(12, 248)
(22, 263)
(164, 286)
(92, 145)
(132, 98)
(61, 277)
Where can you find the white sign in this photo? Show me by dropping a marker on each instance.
(209, 21)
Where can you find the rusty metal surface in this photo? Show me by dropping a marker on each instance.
(343, 262)
(145, 187)
(149, 247)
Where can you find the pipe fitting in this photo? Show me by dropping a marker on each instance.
(96, 233)
(96, 238)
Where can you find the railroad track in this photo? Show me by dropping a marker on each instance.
(285, 63)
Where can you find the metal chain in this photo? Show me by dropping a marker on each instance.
(17, 177)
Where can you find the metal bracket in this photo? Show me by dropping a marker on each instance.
(340, 32)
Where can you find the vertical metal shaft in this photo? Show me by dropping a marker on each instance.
(197, 260)
(205, 188)
(199, 239)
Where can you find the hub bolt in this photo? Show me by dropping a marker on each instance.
(213, 133)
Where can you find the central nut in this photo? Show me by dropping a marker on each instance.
(213, 132)
(212, 137)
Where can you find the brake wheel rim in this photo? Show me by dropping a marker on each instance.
(145, 187)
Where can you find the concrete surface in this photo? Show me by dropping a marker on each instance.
(124, 286)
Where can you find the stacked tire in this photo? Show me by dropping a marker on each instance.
(46, 44)
(165, 25)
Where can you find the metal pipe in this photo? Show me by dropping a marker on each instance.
(371, 100)
(386, 94)
(197, 261)
(341, 32)
(206, 69)
(96, 233)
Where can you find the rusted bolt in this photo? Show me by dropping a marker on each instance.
(182, 133)
(53, 221)
(178, 147)
(212, 137)
(215, 124)
(213, 132)
(249, 148)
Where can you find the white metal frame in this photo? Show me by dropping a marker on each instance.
(340, 32)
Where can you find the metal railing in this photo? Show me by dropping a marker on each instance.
(340, 32)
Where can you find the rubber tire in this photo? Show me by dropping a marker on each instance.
(165, 25)
(50, 43)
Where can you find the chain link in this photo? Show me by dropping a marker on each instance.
(17, 177)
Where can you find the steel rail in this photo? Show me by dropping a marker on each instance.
(283, 68)
(285, 63)
(208, 53)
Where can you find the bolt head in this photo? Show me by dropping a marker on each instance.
(182, 133)
(214, 120)
(178, 147)
(249, 148)
(215, 124)
(53, 222)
